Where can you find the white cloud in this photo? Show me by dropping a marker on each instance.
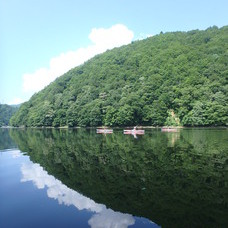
(115, 36)
(102, 40)
(16, 101)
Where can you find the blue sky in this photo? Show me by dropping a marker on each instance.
(41, 39)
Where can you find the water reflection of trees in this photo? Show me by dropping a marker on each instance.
(5, 141)
(177, 184)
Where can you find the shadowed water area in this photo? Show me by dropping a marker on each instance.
(77, 178)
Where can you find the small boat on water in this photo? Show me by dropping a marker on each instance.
(104, 131)
(168, 129)
(137, 132)
(134, 132)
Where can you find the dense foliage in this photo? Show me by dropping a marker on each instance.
(6, 112)
(184, 73)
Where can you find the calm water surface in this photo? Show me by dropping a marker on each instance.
(77, 178)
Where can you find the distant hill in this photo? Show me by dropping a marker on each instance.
(16, 105)
(6, 112)
(149, 82)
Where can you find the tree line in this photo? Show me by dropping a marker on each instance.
(6, 112)
(142, 83)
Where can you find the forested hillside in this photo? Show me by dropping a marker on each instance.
(6, 112)
(178, 75)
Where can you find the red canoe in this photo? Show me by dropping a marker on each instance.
(134, 132)
(166, 129)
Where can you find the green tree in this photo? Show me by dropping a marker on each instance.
(138, 83)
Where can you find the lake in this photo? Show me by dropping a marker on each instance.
(77, 178)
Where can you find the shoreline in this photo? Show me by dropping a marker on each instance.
(127, 127)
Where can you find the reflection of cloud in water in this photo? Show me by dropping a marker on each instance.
(16, 153)
(57, 190)
(110, 218)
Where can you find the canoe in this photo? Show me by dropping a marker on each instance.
(134, 132)
(104, 131)
(166, 129)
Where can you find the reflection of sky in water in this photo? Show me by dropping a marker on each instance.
(103, 217)
(16, 153)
